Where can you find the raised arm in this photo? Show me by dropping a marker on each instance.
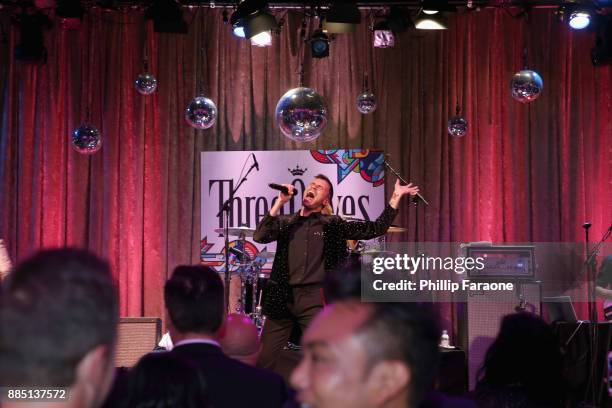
(269, 227)
(373, 229)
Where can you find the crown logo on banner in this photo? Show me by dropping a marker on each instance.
(298, 171)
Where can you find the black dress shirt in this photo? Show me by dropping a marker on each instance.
(336, 231)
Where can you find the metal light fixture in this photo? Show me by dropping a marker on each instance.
(429, 22)
(167, 17)
(576, 14)
(342, 17)
(251, 18)
(319, 44)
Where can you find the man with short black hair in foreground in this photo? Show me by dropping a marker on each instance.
(195, 312)
(58, 326)
(367, 355)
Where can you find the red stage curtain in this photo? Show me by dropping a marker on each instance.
(524, 172)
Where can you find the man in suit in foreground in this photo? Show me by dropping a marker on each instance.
(195, 311)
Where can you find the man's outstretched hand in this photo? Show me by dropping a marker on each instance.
(400, 191)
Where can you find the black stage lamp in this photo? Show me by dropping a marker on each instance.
(167, 17)
(251, 18)
(342, 17)
(319, 44)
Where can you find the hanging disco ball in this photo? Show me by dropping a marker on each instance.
(146, 84)
(86, 139)
(366, 102)
(201, 113)
(301, 114)
(457, 126)
(526, 85)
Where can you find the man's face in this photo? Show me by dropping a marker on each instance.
(333, 372)
(316, 194)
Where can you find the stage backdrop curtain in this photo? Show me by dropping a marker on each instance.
(524, 172)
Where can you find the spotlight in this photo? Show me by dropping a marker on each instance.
(431, 7)
(319, 44)
(579, 19)
(252, 18)
(70, 13)
(383, 35)
(31, 47)
(576, 14)
(342, 17)
(431, 22)
(263, 39)
(167, 17)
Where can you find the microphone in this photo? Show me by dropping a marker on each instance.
(283, 189)
(255, 161)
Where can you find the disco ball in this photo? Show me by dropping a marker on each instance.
(201, 113)
(366, 102)
(301, 114)
(526, 86)
(86, 139)
(457, 126)
(146, 84)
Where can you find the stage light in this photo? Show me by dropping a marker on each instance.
(342, 17)
(319, 44)
(425, 22)
(167, 17)
(576, 14)
(70, 13)
(252, 18)
(579, 19)
(383, 36)
(263, 39)
(431, 7)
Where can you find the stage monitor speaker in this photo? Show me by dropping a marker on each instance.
(137, 336)
(485, 310)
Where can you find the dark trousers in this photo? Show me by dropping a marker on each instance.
(306, 303)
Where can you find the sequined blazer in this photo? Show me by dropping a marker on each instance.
(336, 232)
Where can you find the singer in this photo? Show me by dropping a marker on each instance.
(309, 243)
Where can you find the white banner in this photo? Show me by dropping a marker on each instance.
(357, 175)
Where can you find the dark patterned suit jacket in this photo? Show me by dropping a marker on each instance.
(335, 234)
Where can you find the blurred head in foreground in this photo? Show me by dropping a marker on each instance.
(58, 324)
(166, 380)
(240, 339)
(367, 355)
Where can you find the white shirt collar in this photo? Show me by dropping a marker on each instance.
(198, 341)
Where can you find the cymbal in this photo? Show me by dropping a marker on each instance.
(237, 231)
(266, 254)
(395, 228)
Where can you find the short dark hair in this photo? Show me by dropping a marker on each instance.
(405, 332)
(55, 307)
(331, 186)
(194, 299)
(166, 379)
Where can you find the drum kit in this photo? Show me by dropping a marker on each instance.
(247, 278)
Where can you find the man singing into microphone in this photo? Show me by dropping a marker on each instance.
(309, 243)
